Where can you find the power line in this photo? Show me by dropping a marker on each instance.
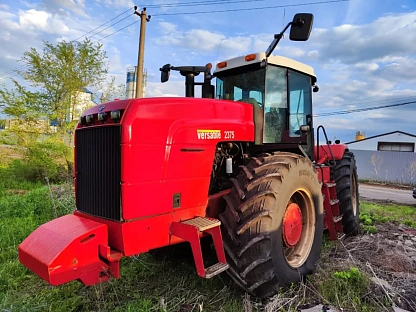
(228, 1)
(117, 31)
(204, 3)
(110, 26)
(193, 3)
(12, 72)
(199, 3)
(344, 112)
(391, 100)
(251, 9)
(103, 24)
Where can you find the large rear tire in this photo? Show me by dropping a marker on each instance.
(270, 191)
(346, 178)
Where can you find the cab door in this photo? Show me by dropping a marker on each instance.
(300, 107)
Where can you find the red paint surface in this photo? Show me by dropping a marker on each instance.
(325, 155)
(292, 225)
(155, 131)
(65, 249)
(142, 235)
(324, 173)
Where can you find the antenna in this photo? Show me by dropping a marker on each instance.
(219, 46)
(284, 15)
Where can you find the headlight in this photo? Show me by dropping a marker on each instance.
(115, 115)
(90, 118)
(102, 116)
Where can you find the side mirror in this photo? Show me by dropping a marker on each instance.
(301, 27)
(165, 73)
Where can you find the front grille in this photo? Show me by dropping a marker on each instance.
(98, 161)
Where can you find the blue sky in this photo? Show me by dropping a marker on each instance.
(363, 51)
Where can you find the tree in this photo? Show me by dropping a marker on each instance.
(63, 69)
(27, 110)
(110, 90)
(56, 74)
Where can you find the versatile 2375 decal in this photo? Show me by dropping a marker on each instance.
(214, 134)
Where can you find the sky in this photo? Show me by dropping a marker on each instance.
(363, 51)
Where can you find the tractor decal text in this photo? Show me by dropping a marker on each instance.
(228, 134)
(208, 134)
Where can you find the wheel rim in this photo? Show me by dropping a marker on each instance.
(292, 225)
(298, 230)
(354, 194)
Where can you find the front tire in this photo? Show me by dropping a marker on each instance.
(273, 223)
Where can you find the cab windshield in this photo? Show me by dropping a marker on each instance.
(281, 99)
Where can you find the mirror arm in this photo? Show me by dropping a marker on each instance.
(276, 40)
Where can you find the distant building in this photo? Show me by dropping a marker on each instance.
(396, 141)
(83, 100)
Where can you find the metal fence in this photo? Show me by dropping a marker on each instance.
(386, 166)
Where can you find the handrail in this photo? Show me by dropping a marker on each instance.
(327, 143)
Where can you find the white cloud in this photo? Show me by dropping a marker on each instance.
(167, 28)
(168, 89)
(117, 3)
(350, 44)
(202, 40)
(163, 7)
(76, 6)
(336, 123)
(115, 62)
(293, 52)
(41, 21)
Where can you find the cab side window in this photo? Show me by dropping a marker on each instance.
(300, 101)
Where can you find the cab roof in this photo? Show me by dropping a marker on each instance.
(272, 59)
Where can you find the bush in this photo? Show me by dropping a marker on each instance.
(45, 160)
(7, 138)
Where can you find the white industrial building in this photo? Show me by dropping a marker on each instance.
(396, 141)
(131, 82)
(82, 101)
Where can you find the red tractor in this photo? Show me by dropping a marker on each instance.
(239, 165)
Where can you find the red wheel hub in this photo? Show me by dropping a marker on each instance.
(292, 225)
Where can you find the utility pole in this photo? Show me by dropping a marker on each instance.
(140, 61)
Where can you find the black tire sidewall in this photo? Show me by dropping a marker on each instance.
(346, 204)
(357, 200)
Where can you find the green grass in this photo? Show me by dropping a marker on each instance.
(373, 213)
(346, 287)
(146, 282)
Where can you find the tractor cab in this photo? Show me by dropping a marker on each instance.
(279, 88)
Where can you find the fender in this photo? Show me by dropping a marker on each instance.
(324, 153)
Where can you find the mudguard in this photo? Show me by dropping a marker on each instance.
(323, 152)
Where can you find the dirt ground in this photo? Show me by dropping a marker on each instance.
(389, 258)
(389, 185)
